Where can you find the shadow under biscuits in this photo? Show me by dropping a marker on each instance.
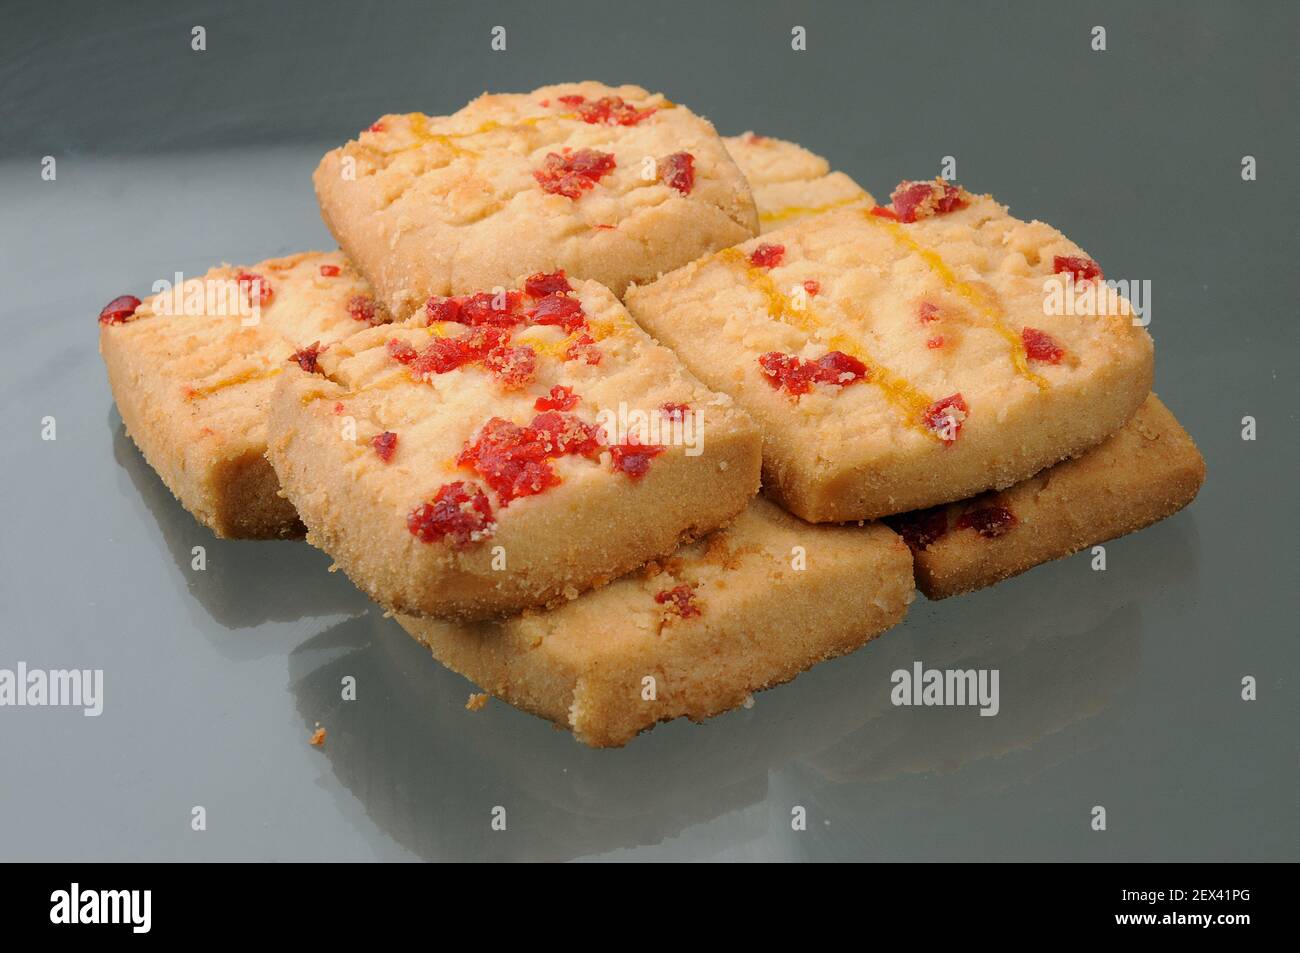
(245, 582)
(408, 743)
(1065, 639)
(428, 772)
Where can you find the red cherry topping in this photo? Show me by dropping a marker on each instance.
(944, 418)
(1040, 346)
(1083, 269)
(385, 445)
(561, 310)
(796, 376)
(913, 201)
(922, 527)
(401, 352)
(569, 175)
(459, 513)
(362, 308)
(609, 111)
(989, 521)
(633, 458)
(767, 256)
(307, 357)
(680, 601)
(442, 309)
(560, 398)
(678, 172)
(514, 366)
(246, 281)
(119, 309)
(542, 284)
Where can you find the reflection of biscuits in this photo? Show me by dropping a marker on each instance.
(935, 314)
(747, 620)
(541, 504)
(788, 181)
(1147, 471)
(442, 205)
(192, 382)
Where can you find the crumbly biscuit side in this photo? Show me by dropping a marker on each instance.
(1146, 472)
(192, 369)
(693, 635)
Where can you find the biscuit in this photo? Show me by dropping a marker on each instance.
(506, 450)
(692, 636)
(789, 182)
(609, 183)
(191, 374)
(1148, 470)
(900, 360)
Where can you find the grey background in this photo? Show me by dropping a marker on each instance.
(1118, 688)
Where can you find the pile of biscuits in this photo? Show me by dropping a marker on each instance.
(529, 406)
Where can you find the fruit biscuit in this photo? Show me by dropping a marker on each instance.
(505, 450)
(610, 183)
(1147, 471)
(901, 357)
(789, 182)
(692, 635)
(192, 369)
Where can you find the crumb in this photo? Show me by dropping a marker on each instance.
(477, 701)
(748, 702)
(318, 737)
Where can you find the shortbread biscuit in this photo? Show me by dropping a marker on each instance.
(694, 635)
(897, 360)
(789, 182)
(192, 369)
(1147, 471)
(609, 183)
(506, 450)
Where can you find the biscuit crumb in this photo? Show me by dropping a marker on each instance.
(748, 702)
(477, 701)
(317, 739)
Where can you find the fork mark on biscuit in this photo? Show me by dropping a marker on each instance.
(976, 296)
(897, 389)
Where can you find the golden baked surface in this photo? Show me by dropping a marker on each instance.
(722, 618)
(513, 473)
(614, 184)
(789, 182)
(1147, 471)
(887, 362)
(192, 371)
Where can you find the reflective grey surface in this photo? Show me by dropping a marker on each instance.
(1119, 689)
